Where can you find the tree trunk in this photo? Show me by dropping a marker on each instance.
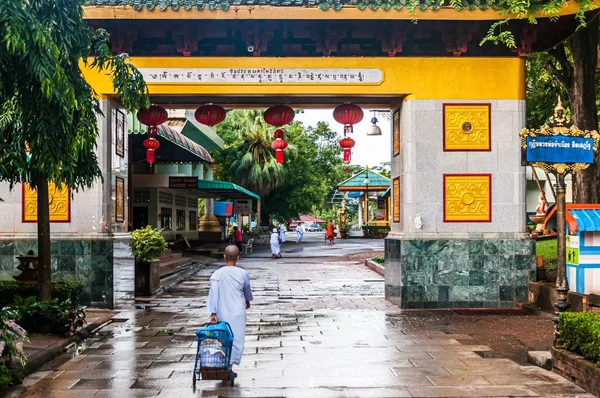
(582, 98)
(44, 270)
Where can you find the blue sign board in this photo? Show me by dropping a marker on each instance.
(559, 149)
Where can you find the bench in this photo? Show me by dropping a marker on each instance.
(248, 246)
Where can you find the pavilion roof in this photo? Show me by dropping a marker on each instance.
(377, 182)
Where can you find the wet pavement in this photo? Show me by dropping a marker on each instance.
(316, 329)
(314, 245)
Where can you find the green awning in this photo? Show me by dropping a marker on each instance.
(177, 147)
(225, 190)
(202, 134)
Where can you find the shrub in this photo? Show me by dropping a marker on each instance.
(148, 244)
(375, 231)
(60, 290)
(47, 316)
(580, 333)
(379, 260)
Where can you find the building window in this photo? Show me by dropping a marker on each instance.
(141, 196)
(181, 220)
(193, 220)
(166, 218)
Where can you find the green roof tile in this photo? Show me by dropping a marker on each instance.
(222, 5)
(356, 182)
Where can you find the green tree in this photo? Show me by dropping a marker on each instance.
(313, 171)
(46, 102)
(573, 64)
(255, 167)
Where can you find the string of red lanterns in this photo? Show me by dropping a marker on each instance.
(278, 116)
(348, 115)
(152, 117)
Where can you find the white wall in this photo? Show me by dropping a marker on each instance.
(422, 163)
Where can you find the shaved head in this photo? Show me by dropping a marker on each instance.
(231, 253)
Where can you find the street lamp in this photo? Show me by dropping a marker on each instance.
(366, 182)
(374, 128)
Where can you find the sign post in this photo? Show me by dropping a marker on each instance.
(559, 148)
(243, 206)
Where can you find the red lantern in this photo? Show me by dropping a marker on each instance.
(211, 115)
(278, 133)
(347, 143)
(151, 145)
(279, 115)
(348, 114)
(279, 145)
(153, 116)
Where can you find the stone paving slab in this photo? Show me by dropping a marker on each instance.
(316, 329)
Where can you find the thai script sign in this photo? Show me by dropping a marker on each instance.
(183, 182)
(263, 75)
(559, 149)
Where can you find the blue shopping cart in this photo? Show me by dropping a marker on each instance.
(213, 354)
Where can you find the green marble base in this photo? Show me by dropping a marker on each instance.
(88, 261)
(459, 273)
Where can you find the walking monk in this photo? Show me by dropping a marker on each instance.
(329, 233)
(228, 299)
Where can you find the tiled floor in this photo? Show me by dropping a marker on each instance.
(316, 329)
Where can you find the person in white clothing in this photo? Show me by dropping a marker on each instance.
(275, 244)
(299, 233)
(282, 231)
(228, 299)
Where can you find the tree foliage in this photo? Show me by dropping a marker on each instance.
(44, 100)
(48, 107)
(572, 64)
(313, 163)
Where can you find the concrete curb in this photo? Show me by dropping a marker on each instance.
(375, 267)
(42, 357)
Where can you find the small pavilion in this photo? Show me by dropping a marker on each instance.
(371, 186)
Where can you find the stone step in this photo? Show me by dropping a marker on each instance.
(169, 267)
(170, 257)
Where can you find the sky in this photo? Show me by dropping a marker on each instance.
(369, 150)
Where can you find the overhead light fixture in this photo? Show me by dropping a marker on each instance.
(374, 128)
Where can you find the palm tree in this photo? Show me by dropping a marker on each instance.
(257, 169)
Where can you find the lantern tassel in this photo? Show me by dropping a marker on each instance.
(279, 156)
(347, 152)
(150, 156)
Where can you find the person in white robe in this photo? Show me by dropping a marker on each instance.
(275, 245)
(228, 299)
(299, 233)
(282, 232)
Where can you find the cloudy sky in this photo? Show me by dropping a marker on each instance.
(369, 150)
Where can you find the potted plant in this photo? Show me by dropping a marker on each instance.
(148, 246)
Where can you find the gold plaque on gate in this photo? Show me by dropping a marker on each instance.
(59, 202)
(467, 197)
(467, 127)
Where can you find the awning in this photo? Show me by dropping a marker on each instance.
(587, 219)
(203, 135)
(225, 190)
(175, 147)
